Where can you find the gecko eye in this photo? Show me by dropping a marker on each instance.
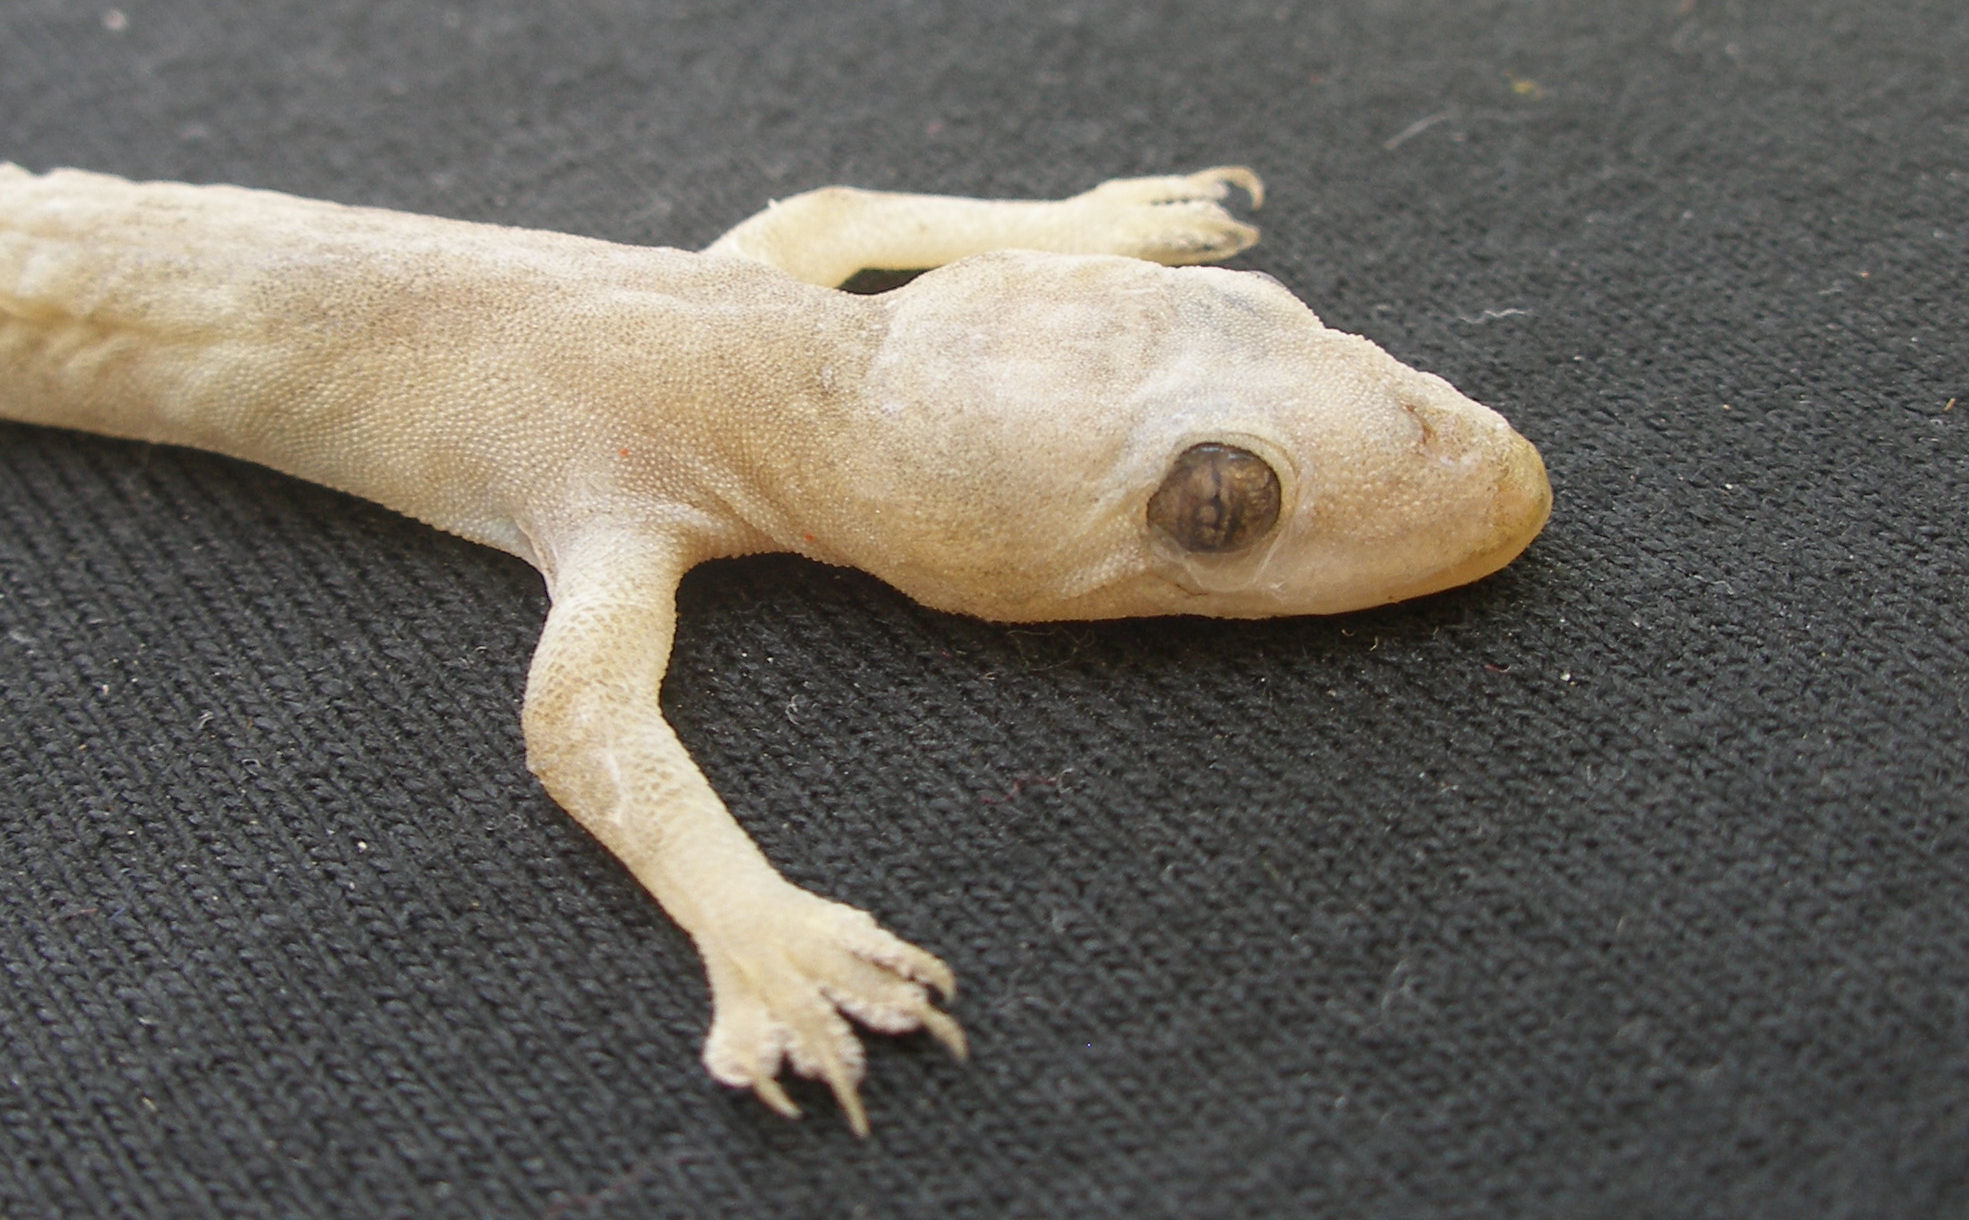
(1216, 498)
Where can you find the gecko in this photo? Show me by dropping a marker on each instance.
(1066, 415)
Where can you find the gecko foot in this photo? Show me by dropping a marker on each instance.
(1176, 220)
(787, 974)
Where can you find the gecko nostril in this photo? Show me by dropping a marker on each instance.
(1420, 415)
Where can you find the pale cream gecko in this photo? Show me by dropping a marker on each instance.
(1053, 425)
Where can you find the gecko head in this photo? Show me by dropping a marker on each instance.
(1050, 436)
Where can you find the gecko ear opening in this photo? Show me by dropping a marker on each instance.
(1216, 499)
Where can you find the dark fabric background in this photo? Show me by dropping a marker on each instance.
(1630, 882)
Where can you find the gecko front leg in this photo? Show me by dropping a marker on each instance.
(784, 965)
(827, 235)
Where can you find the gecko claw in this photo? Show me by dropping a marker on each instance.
(948, 1033)
(848, 1096)
(768, 1090)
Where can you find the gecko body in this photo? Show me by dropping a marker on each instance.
(1063, 419)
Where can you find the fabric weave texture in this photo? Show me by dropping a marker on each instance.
(1629, 883)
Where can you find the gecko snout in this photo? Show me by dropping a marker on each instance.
(1524, 494)
(1519, 503)
(1462, 433)
(1491, 494)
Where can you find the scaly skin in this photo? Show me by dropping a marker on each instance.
(987, 438)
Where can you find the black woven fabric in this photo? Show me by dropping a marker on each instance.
(1627, 883)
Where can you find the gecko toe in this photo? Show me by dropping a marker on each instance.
(1208, 185)
(844, 1078)
(1217, 179)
